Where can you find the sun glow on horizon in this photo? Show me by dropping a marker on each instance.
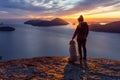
(100, 12)
(102, 23)
(39, 17)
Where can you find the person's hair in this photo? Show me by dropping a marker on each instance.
(80, 18)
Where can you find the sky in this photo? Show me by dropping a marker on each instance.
(59, 8)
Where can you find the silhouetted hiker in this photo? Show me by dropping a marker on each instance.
(81, 32)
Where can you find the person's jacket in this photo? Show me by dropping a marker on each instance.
(81, 31)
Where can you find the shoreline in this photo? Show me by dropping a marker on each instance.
(58, 68)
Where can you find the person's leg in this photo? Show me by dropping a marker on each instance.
(80, 49)
(84, 49)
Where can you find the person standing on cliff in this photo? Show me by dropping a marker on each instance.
(81, 32)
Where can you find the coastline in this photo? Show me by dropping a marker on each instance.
(58, 68)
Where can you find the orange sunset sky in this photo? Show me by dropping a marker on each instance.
(92, 10)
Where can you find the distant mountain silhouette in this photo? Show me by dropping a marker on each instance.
(54, 22)
(7, 28)
(110, 27)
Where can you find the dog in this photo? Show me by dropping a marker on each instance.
(72, 51)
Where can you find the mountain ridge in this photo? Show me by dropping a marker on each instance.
(113, 27)
(54, 22)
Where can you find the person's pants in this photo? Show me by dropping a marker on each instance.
(82, 45)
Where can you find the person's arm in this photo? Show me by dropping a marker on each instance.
(75, 33)
(87, 30)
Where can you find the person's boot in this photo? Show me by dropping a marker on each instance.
(81, 64)
(84, 58)
(71, 62)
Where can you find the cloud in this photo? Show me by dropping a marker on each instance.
(93, 4)
(35, 5)
(55, 7)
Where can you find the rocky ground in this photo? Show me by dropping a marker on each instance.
(58, 68)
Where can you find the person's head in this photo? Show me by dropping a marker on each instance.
(80, 18)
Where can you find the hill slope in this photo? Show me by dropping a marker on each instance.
(110, 27)
(58, 68)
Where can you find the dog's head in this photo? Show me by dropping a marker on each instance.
(72, 42)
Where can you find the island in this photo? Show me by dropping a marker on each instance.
(58, 68)
(6, 28)
(113, 27)
(47, 23)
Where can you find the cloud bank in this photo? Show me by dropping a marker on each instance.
(23, 8)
